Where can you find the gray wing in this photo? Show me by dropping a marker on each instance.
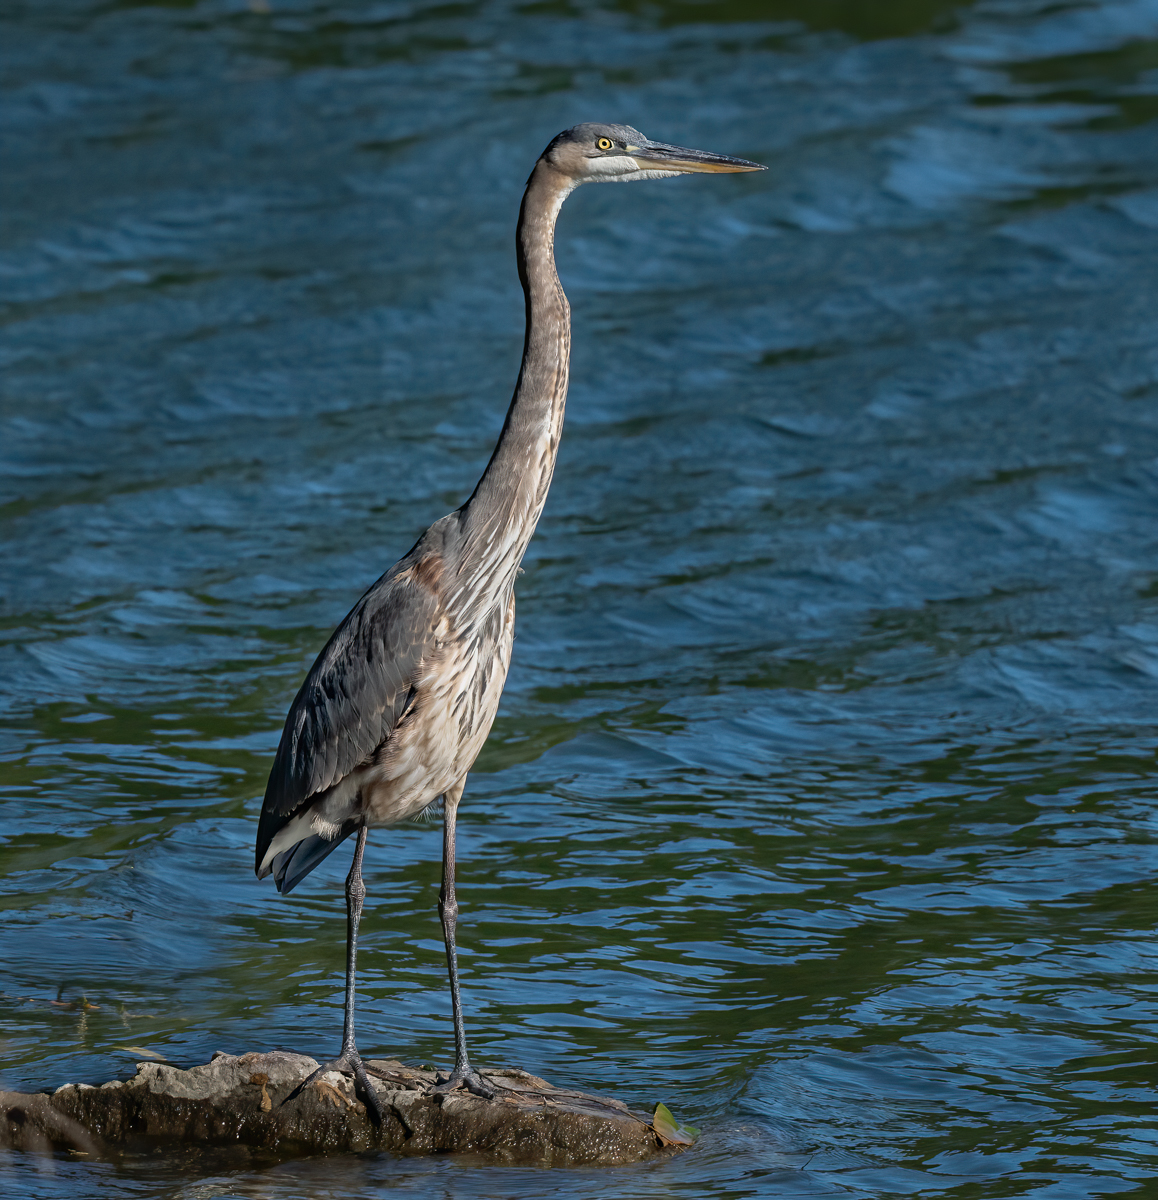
(352, 697)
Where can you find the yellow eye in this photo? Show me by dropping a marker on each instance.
(604, 143)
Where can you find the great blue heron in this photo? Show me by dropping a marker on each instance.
(398, 704)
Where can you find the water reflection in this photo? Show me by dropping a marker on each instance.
(819, 803)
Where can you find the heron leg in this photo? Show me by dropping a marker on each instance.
(463, 1075)
(349, 1061)
(355, 899)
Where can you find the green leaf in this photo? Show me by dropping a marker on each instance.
(669, 1130)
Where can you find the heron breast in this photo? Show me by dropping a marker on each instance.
(458, 695)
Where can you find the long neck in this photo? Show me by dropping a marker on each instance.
(500, 517)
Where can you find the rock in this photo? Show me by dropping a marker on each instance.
(257, 1101)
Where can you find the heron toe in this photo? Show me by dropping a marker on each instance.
(348, 1063)
(469, 1079)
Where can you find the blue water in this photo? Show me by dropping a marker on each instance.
(820, 804)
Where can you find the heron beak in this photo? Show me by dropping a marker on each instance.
(655, 156)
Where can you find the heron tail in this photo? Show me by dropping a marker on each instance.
(291, 866)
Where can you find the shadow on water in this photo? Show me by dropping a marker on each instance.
(900, 18)
(819, 806)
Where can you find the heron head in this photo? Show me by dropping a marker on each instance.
(619, 154)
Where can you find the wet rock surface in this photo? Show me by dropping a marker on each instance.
(258, 1101)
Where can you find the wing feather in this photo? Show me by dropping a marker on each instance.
(353, 696)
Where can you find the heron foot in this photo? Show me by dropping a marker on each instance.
(349, 1062)
(464, 1077)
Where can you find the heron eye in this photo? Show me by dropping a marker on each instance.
(604, 143)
